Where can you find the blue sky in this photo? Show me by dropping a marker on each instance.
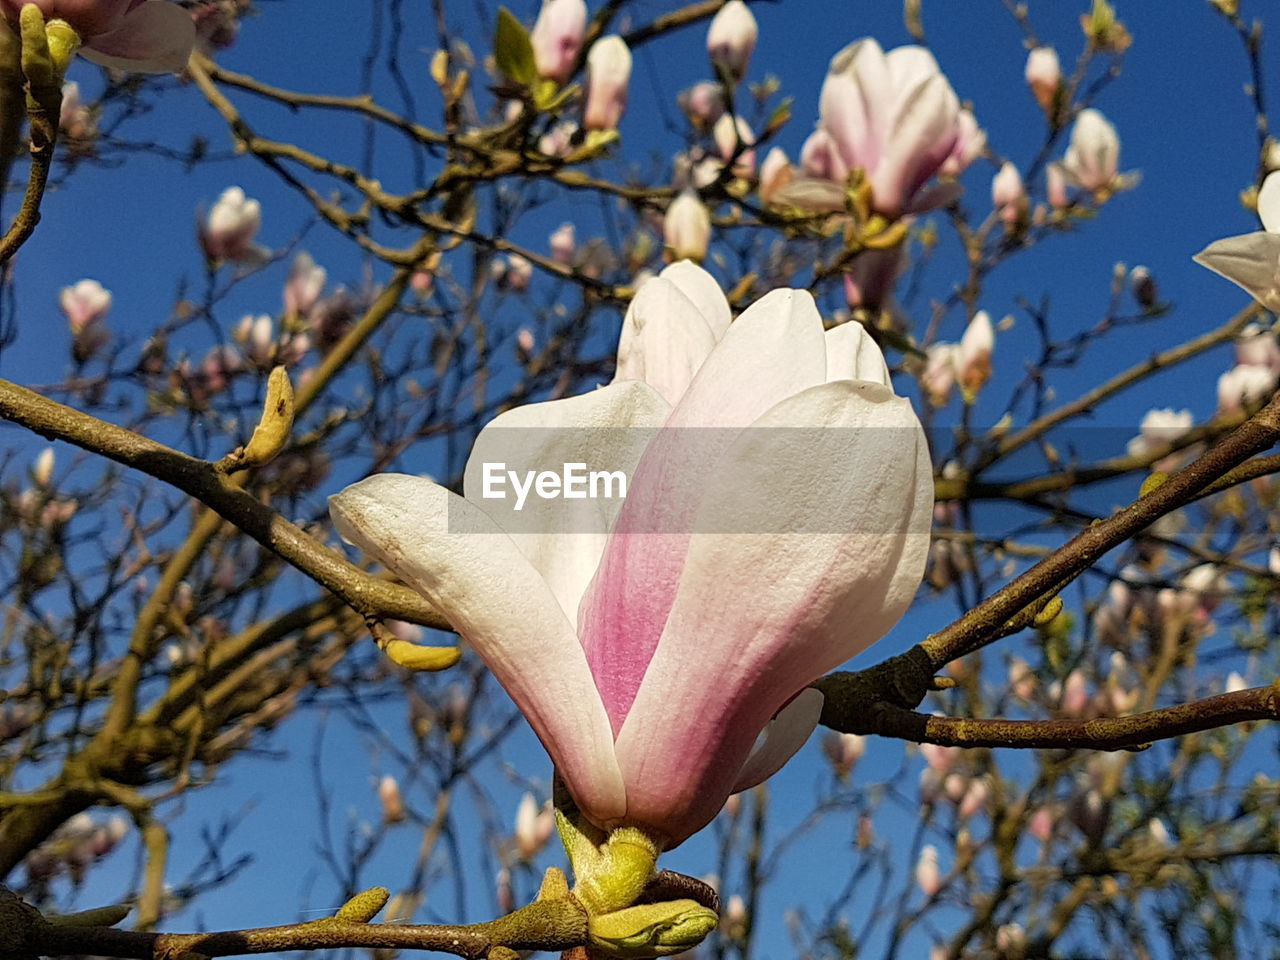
(1184, 121)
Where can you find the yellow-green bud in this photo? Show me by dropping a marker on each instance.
(364, 906)
(652, 929)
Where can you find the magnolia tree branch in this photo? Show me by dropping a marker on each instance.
(214, 488)
(1133, 732)
(904, 680)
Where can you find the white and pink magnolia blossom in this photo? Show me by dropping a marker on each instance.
(608, 76)
(1244, 386)
(869, 279)
(558, 141)
(563, 243)
(892, 115)
(973, 359)
(1008, 195)
(518, 273)
(1092, 160)
(228, 232)
(534, 826)
(392, 802)
(732, 136)
(75, 120)
(928, 874)
(938, 378)
(731, 38)
(1252, 260)
(1256, 346)
(1040, 824)
(703, 104)
(217, 23)
(1158, 429)
(1044, 76)
(42, 472)
(1073, 694)
(1235, 682)
(775, 173)
(650, 655)
(1055, 187)
(971, 143)
(86, 304)
(686, 228)
(843, 750)
(938, 757)
(556, 38)
(304, 285)
(137, 36)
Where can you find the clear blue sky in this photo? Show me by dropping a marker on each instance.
(1184, 122)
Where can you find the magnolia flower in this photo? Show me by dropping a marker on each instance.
(1008, 195)
(703, 103)
(1158, 429)
(1055, 187)
(843, 750)
(686, 228)
(563, 243)
(731, 38)
(869, 279)
(228, 232)
(1143, 286)
(1256, 346)
(85, 305)
(42, 472)
(1244, 386)
(971, 142)
(732, 133)
(392, 802)
(1093, 156)
(1235, 682)
(775, 173)
(1040, 824)
(650, 655)
(608, 73)
(928, 876)
(557, 37)
(893, 115)
(305, 284)
(534, 826)
(973, 359)
(938, 377)
(137, 36)
(1252, 261)
(75, 120)
(1044, 76)
(217, 23)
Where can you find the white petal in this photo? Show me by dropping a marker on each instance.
(1269, 202)
(155, 37)
(607, 430)
(786, 733)
(701, 288)
(1250, 261)
(665, 339)
(853, 355)
(454, 555)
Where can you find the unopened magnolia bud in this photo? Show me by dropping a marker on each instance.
(731, 38)
(272, 432)
(364, 906)
(557, 37)
(1044, 76)
(974, 361)
(1143, 286)
(652, 929)
(775, 173)
(1009, 196)
(608, 74)
(686, 228)
(392, 802)
(42, 472)
(563, 244)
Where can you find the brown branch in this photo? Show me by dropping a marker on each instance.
(215, 489)
(44, 103)
(1112, 733)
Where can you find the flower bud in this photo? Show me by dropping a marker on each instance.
(1009, 196)
(973, 363)
(1044, 76)
(1143, 286)
(733, 136)
(928, 876)
(563, 244)
(1056, 187)
(391, 800)
(971, 142)
(731, 38)
(42, 472)
(703, 104)
(84, 304)
(843, 750)
(534, 826)
(228, 232)
(75, 120)
(518, 273)
(557, 37)
(775, 173)
(1235, 682)
(1093, 156)
(304, 286)
(686, 228)
(608, 73)
(1243, 386)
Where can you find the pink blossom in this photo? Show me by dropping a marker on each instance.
(1044, 76)
(703, 104)
(1008, 195)
(557, 37)
(303, 287)
(217, 23)
(85, 304)
(733, 136)
(869, 279)
(1056, 186)
(775, 173)
(928, 875)
(608, 74)
(75, 120)
(1093, 156)
(731, 38)
(1159, 428)
(938, 757)
(650, 691)
(137, 36)
(1040, 825)
(563, 242)
(534, 826)
(392, 803)
(893, 115)
(1244, 386)
(229, 230)
(1074, 695)
(843, 750)
(1256, 346)
(971, 143)
(938, 378)
(973, 361)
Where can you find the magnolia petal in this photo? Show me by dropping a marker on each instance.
(452, 553)
(840, 514)
(853, 355)
(665, 339)
(815, 193)
(705, 293)
(774, 350)
(1269, 203)
(155, 37)
(923, 136)
(606, 430)
(786, 734)
(1250, 261)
